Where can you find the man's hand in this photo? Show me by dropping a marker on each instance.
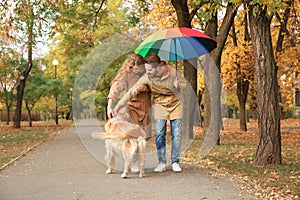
(116, 109)
(143, 88)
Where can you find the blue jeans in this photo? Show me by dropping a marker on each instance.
(176, 132)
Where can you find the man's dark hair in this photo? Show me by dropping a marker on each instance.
(152, 59)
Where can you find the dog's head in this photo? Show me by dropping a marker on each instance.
(123, 114)
(119, 125)
(111, 125)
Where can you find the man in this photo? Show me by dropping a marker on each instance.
(163, 82)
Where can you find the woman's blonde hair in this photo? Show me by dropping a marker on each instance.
(132, 60)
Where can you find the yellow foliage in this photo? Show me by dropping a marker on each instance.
(161, 15)
(200, 80)
(237, 63)
(288, 75)
(287, 60)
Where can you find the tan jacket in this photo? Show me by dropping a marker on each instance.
(167, 100)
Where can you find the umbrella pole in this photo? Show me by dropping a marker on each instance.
(175, 56)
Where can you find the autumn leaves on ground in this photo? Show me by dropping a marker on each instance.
(231, 158)
(237, 150)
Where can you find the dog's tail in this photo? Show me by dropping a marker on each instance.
(99, 135)
(110, 135)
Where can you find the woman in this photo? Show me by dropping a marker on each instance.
(139, 106)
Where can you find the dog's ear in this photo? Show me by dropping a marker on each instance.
(108, 126)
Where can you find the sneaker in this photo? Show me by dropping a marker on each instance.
(176, 167)
(134, 169)
(161, 167)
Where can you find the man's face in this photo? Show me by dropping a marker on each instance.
(154, 71)
(150, 70)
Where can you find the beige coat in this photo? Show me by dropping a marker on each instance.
(167, 100)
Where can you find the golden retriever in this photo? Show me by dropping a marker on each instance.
(122, 135)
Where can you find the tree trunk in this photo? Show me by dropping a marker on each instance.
(242, 93)
(242, 86)
(29, 113)
(212, 31)
(243, 118)
(190, 72)
(191, 108)
(283, 27)
(7, 114)
(8, 106)
(183, 16)
(18, 112)
(201, 107)
(24, 75)
(269, 147)
(253, 103)
(235, 114)
(282, 31)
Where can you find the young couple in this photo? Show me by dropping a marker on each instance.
(141, 77)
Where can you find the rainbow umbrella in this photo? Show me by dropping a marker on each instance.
(177, 44)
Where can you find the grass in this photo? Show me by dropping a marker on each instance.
(237, 151)
(16, 142)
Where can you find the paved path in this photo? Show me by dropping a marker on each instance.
(64, 169)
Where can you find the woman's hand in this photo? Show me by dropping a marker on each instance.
(110, 112)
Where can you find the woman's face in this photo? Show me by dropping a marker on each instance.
(140, 70)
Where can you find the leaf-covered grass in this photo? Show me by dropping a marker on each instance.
(23, 136)
(237, 151)
(16, 142)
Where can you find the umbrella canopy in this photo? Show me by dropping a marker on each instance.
(177, 44)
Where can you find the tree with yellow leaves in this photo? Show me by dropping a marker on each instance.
(238, 68)
(287, 53)
(263, 29)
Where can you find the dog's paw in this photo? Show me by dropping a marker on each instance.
(124, 175)
(142, 175)
(108, 171)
